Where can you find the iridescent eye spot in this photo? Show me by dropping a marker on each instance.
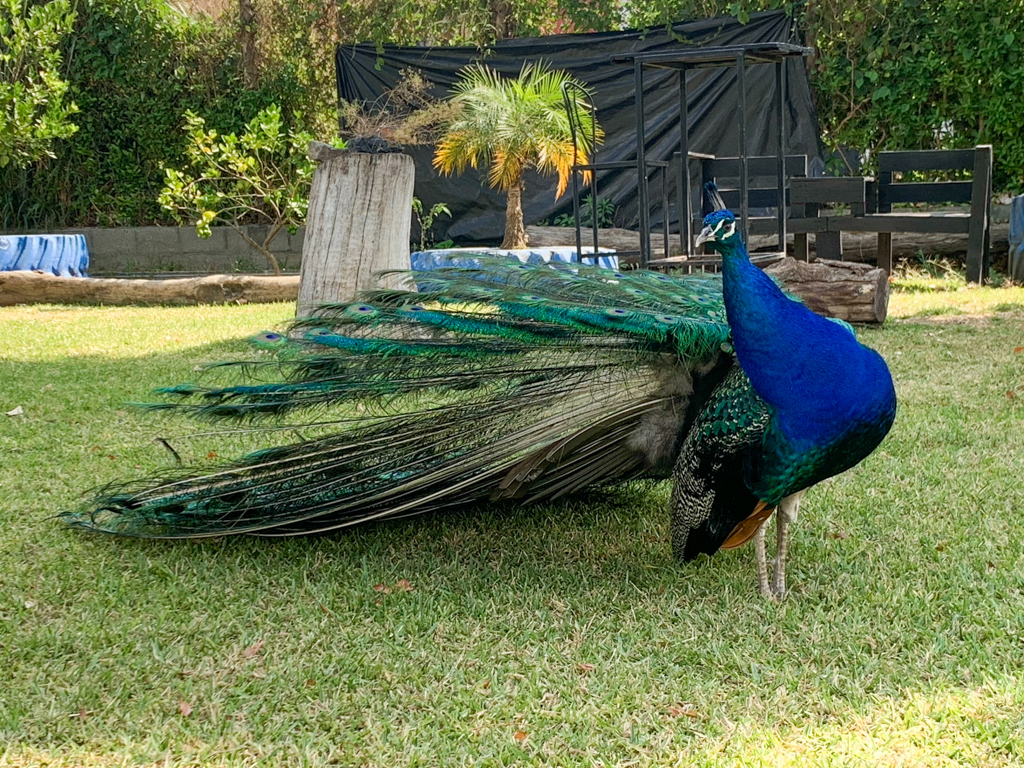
(665, 318)
(532, 298)
(416, 308)
(271, 336)
(615, 312)
(361, 309)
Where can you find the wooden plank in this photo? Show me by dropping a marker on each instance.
(928, 192)
(953, 223)
(816, 224)
(885, 251)
(829, 245)
(828, 190)
(978, 233)
(761, 165)
(926, 160)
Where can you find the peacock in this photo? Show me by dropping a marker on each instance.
(491, 380)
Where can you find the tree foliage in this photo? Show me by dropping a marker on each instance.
(889, 74)
(260, 177)
(33, 111)
(510, 125)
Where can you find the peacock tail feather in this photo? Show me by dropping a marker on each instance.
(497, 381)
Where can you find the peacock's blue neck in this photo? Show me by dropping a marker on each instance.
(818, 379)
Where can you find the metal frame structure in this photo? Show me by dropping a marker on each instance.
(710, 57)
(571, 93)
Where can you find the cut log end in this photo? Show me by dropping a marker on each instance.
(856, 293)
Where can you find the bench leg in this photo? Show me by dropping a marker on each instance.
(829, 245)
(800, 249)
(885, 251)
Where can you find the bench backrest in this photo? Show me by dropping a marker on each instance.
(762, 178)
(977, 160)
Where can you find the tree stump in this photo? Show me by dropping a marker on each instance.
(856, 293)
(360, 214)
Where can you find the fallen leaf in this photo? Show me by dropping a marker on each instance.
(520, 736)
(1010, 394)
(382, 588)
(402, 585)
(1018, 350)
(30, 604)
(940, 547)
(310, 683)
(839, 535)
(82, 713)
(585, 667)
(253, 649)
(684, 710)
(19, 411)
(185, 708)
(211, 455)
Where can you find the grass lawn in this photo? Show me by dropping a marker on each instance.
(556, 636)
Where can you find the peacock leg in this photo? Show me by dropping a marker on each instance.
(786, 514)
(762, 562)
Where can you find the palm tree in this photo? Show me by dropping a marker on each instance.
(512, 125)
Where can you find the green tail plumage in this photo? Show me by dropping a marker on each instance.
(490, 382)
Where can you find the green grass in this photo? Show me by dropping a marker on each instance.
(901, 643)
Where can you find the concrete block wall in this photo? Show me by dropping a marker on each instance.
(127, 250)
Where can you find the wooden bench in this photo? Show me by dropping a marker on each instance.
(808, 195)
(872, 204)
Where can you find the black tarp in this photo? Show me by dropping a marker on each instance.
(478, 212)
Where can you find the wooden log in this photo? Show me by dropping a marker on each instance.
(360, 214)
(857, 293)
(45, 288)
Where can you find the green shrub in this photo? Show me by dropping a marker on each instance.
(134, 68)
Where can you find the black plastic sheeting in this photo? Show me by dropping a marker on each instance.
(478, 212)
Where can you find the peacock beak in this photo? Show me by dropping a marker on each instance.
(707, 235)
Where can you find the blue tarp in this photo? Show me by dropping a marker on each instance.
(1017, 238)
(63, 255)
(463, 257)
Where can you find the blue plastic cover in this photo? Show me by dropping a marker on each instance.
(63, 255)
(463, 257)
(1017, 238)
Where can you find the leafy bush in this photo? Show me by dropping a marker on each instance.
(33, 112)
(605, 214)
(134, 67)
(262, 177)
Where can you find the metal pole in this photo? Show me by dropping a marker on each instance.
(593, 173)
(685, 214)
(664, 208)
(741, 82)
(641, 165)
(780, 115)
(576, 212)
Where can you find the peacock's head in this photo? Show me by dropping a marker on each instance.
(719, 230)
